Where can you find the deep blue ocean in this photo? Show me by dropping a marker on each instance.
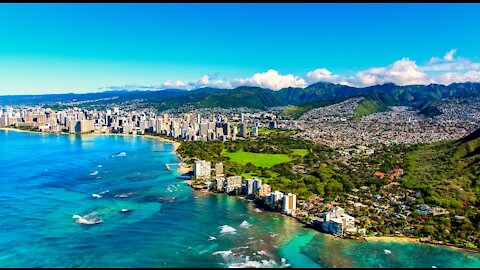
(53, 186)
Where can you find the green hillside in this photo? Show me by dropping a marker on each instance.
(447, 172)
(251, 97)
(372, 103)
(429, 110)
(296, 111)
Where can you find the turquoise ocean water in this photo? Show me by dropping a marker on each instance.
(46, 179)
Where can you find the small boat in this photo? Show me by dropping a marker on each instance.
(125, 210)
(388, 252)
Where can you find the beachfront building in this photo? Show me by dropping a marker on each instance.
(289, 204)
(264, 190)
(86, 126)
(4, 121)
(219, 169)
(248, 186)
(233, 184)
(221, 182)
(274, 199)
(74, 126)
(202, 169)
(337, 222)
(256, 185)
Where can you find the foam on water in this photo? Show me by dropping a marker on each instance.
(168, 232)
(245, 224)
(227, 229)
(89, 219)
(120, 154)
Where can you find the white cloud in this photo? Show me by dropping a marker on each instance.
(449, 55)
(449, 63)
(271, 80)
(455, 77)
(401, 72)
(446, 70)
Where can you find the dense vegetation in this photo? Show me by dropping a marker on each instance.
(446, 172)
(27, 128)
(372, 103)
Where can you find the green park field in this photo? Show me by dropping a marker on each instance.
(257, 159)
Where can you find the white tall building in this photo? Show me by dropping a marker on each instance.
(202, 169)
(289, 204)
(337, 222)
(249, 186)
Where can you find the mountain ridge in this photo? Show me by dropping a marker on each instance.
(261, 98)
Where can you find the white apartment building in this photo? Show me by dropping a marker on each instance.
(202, 169)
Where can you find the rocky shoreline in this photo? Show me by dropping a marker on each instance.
(355, 238)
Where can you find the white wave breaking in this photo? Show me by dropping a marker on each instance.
(211, 238)
(227, 229)
(88, 219)
(245, 224)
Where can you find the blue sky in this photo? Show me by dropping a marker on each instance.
(58, 48)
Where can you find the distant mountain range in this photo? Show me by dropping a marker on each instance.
(315, 95)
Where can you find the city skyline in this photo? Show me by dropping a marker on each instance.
(186, 46)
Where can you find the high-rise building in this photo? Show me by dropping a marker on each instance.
(256, 185)
(243, 130)
(234, 183)
(272, 124)
(219, 169)
(86, 126)
(255, 131)
(289, 204)
(248, 186)
(226, 129)
(220, 183)
(234, 133)
(74, 126)
(265, 189)
(4, 121)
(42, 119)
(337, 222)
(202, 169)
(274, 199)
(203, 129)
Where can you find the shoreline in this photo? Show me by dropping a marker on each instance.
(183, 168)
(392, 239)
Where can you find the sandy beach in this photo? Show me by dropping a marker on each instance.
(18, 130)
(392, 239)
